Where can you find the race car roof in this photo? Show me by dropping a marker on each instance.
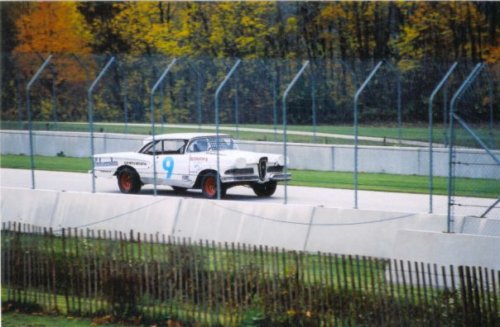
(182, 136)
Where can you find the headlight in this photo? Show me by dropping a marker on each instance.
(240, 163)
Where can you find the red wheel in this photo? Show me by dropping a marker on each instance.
(129, 181)
(209, 186)
(125, 182)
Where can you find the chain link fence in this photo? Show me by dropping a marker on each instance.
(321, 102)
(474, 149)
(392, 109)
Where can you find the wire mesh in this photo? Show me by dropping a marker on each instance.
(320, 106)
(392, 109)
(475, 165)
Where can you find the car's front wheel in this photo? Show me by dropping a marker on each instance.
(264, 190)
(209, 186)
(129, 181)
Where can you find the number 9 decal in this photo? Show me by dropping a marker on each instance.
(168, 166)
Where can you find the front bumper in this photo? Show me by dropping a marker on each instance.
(281, 177)
(278, 177)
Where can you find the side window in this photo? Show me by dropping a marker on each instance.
(148, 148)
(165, 147)
(173, 146)
(200, 145)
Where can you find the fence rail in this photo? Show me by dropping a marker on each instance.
(156, 278)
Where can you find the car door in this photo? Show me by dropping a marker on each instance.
(172, 164)
(198, 157)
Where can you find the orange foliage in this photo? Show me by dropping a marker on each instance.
(52, 28)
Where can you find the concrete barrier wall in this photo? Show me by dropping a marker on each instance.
(448, 249)
(118, 212)
(72, 144)
(372, 159)
(293, 227)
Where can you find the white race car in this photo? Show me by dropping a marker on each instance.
(189, 161)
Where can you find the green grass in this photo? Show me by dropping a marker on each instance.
(68, 164)
(395, 183)
(473, 187)
(476, 187)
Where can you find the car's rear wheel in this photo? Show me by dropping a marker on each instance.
(264, 190)
(209, 186)
(129, 181)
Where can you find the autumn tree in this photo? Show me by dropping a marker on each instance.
(52, 28)
(45, 28)
(446, 31)
(341, 39)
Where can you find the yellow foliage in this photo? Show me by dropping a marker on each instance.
(257, 29)
(493, 54)
(432, 27)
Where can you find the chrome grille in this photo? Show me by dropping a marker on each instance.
(262, 168)
(275, 169)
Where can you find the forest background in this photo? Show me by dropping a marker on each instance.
(420, 39)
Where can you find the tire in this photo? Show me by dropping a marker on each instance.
(129, 181)
(264, 190)
(209, 186)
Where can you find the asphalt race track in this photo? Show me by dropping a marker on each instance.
(336, 198)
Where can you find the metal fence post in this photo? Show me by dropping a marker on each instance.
(399, 108)
(217, 122)
(91, 117)
(285, 139)
(491, 96)
(451, 136)
(30, 122)
(275, 109)
(356, 97)
(153, 90)
(236, 105)
(431, 99)
(313, 108)
(445, 115)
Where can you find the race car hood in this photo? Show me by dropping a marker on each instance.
(250, 157)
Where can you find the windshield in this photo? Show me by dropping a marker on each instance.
(223, 143)
(210, 143)
(200, 144)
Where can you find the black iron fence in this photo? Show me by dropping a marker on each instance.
(154, 278)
